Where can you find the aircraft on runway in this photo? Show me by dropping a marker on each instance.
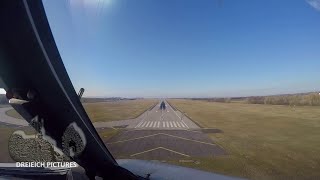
(163, 106)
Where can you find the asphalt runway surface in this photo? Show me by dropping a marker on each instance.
(163, 135)
(168, 118)
(162, 145)
(10, 121)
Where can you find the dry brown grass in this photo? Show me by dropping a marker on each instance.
(264, 141)
(117, 110)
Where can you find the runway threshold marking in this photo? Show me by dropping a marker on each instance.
(144, 123)
(160, 148)
(178, 137)
(164, 124)
(178, 116)
(178, 124)
(175, 124)
(139, 124)
(177, 129)
(142, 120)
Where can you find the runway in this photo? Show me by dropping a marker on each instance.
(168, 118)
(162, 135)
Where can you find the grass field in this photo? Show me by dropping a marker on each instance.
(263, 141)
(117, 110)
(110, 111)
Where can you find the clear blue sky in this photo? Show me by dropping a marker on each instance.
(188, 48)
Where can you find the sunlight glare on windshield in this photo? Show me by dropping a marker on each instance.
(90, 3)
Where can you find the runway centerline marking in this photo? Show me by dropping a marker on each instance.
(160, 148)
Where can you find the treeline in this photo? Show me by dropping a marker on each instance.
(303, 99)
(311, 99)
(95, 100)
(223, 100)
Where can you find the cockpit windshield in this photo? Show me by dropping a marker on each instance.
(230, 87)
